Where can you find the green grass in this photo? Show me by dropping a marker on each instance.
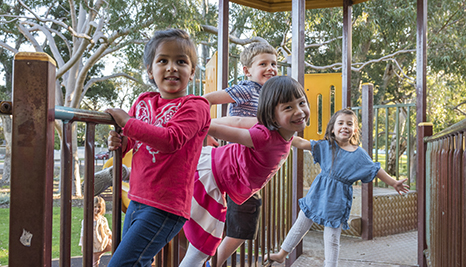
(4, 234)
(77, 216)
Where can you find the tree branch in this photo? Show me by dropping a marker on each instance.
(104, 78)
(30, 38)
(233, 39)
(7, 47)
(324, 43)
(60, 23)
(363, 64)
(97, 56)
(46, 31)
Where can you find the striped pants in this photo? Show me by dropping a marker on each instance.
(208, 208)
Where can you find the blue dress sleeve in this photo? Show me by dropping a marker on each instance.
(373, 169)
(315, 151)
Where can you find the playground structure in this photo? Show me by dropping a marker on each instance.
(441, 156)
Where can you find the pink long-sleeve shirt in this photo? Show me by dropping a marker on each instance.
(166, 136)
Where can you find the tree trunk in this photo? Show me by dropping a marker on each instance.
(391, 165)
(76, 184)
(391, 161)
(413, 162)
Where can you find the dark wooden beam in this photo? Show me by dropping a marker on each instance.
(367, 193)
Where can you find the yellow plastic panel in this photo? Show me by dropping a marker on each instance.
(211, 81)
(321, 84)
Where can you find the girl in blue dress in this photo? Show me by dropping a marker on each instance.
(328, 201)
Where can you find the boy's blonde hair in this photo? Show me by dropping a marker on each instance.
(100, 202)
(247, 56)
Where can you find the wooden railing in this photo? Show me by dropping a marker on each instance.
(445, 197)
(32, 165)
(393, 123)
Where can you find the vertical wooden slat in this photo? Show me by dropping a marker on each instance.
(242, 257)
(367, 188)
(116, 196)
(387, 131)
(408, 140)
(423, 130)
(263, 222)
(434, 200)
(444, 200)
(175, 251)
(456, 196)
(88, 218)
(429, 188)
(255, 243)
(438, 206)
(65, 196)
(449, 206)
(397, 143)
(463, 201)
(31, 187)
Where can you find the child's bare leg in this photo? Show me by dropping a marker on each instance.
(294, 236)
(278, 257)
(226, 248)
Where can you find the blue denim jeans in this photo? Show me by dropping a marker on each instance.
(146, 231)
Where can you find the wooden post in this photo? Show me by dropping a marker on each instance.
(32, 163)
(367, 193)
(223, 50)
(347, 51)
(422, 130)
(297, 72)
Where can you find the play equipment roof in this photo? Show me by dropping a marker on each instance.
(285, 5)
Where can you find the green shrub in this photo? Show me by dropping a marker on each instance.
(4, 198)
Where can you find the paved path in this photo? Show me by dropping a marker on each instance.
(398, 250)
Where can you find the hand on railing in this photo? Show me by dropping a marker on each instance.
(116, 140)
(120, 116)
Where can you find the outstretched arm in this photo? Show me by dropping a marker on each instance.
(233, 129)
(219, 97)
(301, 143)
(399, 186)
(235, 121)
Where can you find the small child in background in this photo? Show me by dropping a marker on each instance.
(244, 166)
(259, 62)
(329, 199)
(165, 131)
(102, 233)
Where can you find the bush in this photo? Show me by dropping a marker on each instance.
(4, 198)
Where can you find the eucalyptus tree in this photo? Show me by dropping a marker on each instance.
(384, 52)
(80, 34)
